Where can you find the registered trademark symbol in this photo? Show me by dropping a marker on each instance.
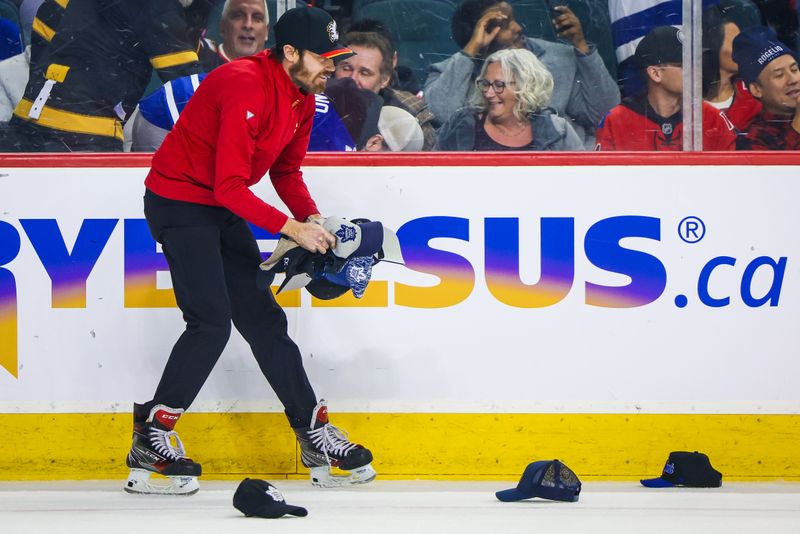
(691, 229)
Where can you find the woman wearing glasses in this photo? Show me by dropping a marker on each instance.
(508, 109)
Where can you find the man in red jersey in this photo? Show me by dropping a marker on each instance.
(248, 117)
(653, 120)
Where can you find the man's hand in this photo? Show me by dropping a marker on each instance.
(309, 235)
(568, 26)
(481, 37)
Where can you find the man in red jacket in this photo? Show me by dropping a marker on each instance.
(248, 117)
(653, 120)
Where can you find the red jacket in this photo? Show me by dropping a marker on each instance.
(744, 107)
(246, 118)
(634, 125)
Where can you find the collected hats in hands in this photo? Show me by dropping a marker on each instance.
(360, 243)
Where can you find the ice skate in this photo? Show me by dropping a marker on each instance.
(324, 447)
(154, 452)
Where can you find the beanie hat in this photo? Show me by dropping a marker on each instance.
(754, 49)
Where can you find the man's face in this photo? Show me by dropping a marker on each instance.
(244, 28)
(778, 86)
(364, 68)
(510, 35)
(311, 73)
(669, 77)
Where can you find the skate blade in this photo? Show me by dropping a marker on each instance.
(139, 482)
(322, 477)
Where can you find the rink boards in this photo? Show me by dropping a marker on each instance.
(602, 311)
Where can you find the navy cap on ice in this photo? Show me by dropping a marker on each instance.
(690, 469)
(311, 28)
(259, 498)
(546, 479)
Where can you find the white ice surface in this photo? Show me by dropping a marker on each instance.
(101, 507)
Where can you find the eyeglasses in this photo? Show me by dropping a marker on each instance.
(498, 85)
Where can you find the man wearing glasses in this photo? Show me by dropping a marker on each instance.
(653, 119)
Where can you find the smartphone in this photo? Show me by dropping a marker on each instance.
(552, 4)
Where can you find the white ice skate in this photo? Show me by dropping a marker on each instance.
(325, 447)
(158, 450)
(143, 481)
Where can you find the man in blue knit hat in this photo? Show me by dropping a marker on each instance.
(770, 70)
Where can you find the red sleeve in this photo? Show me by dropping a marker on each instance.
(718, 132)
(605, 139)
(285, 172)
(236, 141)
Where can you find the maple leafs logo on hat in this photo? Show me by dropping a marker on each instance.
(276, 495)
(346, 233)
(333, 35)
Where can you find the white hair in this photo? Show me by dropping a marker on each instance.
(226, 7)
(533, 82)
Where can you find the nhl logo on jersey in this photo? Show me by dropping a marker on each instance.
(667, 128)
(333, 35)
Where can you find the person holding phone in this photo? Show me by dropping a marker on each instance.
(583, 89)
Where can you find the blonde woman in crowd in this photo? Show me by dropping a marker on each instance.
(508, 109)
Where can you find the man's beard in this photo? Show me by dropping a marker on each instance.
(298, 73)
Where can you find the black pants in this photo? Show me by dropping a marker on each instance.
(213, 259)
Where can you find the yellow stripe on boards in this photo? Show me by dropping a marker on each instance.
(435, 446)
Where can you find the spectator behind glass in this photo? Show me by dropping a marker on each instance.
(508, 109)
(653, 119)
(244, 28)
(721, 86)
(403, 77)
(583, 89)
(769, 68)
(27, 12)
(97, 67)
(346, 118)
(372, 68)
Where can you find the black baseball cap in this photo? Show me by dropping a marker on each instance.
(546, 479)
(311, 28)
(690, 469)
(664, 44)
(259, 498)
